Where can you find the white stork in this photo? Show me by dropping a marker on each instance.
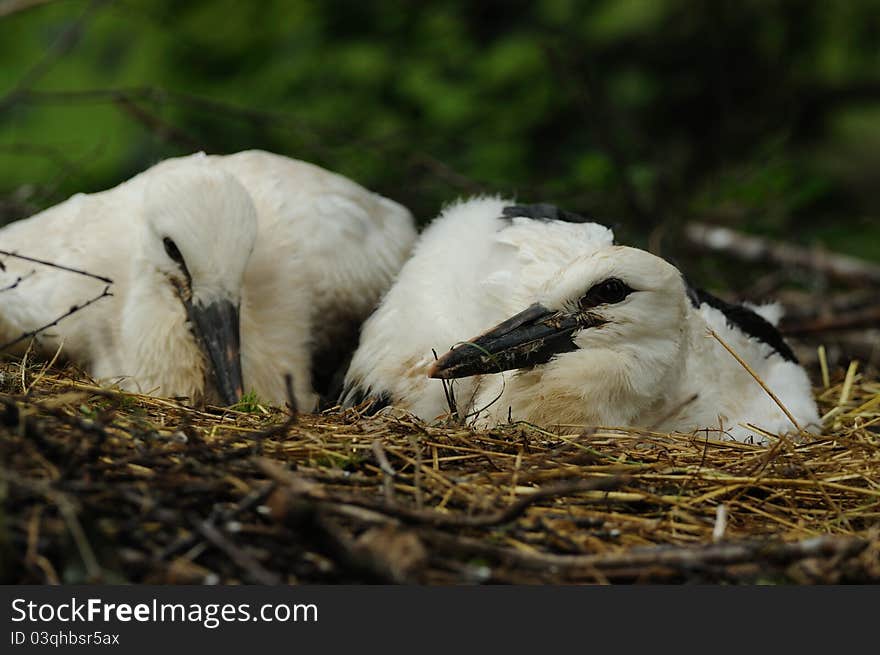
(586, 334)
(476, 264)
(228, 273)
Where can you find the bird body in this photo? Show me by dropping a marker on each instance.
(591, 334)
(299, 253)
(470, 268)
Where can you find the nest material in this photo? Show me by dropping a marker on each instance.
(105, 486)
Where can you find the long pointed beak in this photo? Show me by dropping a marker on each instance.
(532, 337)
(216, 327)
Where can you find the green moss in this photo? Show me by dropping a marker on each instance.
(250, 403)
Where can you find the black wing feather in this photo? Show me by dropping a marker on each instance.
(746, 320)
(543, 211)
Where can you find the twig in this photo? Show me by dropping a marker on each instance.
(241, 558)
(753, 249)
(18, 280)
(757, 379)
(9, 7)
(159, 95)
(388, 471)
(75, 308)
(32, 556)
(281, 428)
(417, 470)
(370, 563)
(720, 526)
(93, 568)
(68, 169)
(157, 126)
(736, 553)
(26, 389)
(449, 393)
(68, 512)
(856, 321)
(675, 557)
(435, 518)
(60, 267)
(247, 503)
(446, 173)
(61, 46)
(313, 522)
(782, 438)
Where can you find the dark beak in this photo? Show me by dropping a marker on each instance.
(532, 337)
(216, 327)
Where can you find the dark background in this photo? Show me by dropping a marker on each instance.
(645, 114)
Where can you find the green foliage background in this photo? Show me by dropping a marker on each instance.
(762, 114)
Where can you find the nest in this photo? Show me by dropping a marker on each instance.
(105, 486)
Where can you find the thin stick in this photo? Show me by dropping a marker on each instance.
(675, 557)
(752, 248)
(61, 46)
(846, 390)
(449, 393)
(783, 439)
(73, 310)
(388, 471)
(433, 517)
(10, 7)
(417, 470)
(757, 378)
(241, 558)
(247, 503)
(60, 267)
(44, 369)
(823, 365)
(18, 280)
(68, 512)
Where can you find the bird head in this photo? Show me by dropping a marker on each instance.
(201, 226)
(607, 315)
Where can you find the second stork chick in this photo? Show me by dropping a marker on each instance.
(603, 335)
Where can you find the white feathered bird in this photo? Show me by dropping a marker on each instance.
(228, 272)
(472, 267)
(594, 334)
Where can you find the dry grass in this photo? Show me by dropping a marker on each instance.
(107, 486)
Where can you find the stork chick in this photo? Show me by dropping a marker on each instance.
(609, 336)
(228, 272)
(477, 263)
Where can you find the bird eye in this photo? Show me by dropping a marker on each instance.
(607, 292)
(172, 250)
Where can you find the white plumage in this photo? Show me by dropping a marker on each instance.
(589, 334)
(471, 268)
(303, 252)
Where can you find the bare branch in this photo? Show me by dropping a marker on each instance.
(434, 518)
(754, 249)
(73, 310)
(157, 126)
(674, 557)
(10, 7)
(60, 47)
(57, 156)
(240, 557)
(18, 280)
(60, 267)
(865, 319)
(160, 95)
